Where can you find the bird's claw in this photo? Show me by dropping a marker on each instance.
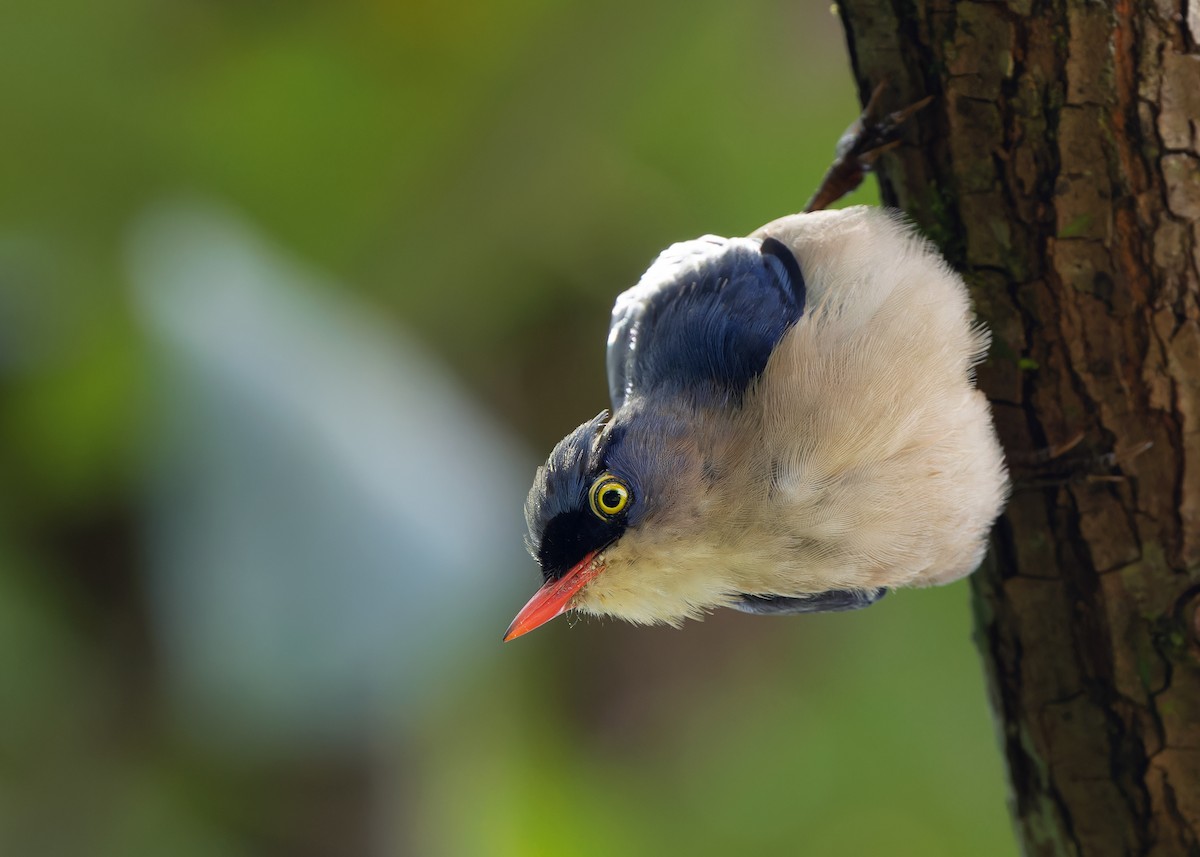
(871, 135)
(1059, 465)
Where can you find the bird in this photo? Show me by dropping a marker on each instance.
(794, 428)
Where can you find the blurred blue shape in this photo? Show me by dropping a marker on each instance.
(334, 526)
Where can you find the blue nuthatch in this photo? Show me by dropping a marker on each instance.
(794, 428)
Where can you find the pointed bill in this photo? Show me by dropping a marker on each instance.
(554, 598)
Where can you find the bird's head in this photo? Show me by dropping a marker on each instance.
(604, 484)
(575, 509)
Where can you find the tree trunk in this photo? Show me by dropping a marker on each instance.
(1058, 169)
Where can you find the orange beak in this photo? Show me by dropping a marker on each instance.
(554, 598)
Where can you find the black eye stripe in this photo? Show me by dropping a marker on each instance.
(571, 536)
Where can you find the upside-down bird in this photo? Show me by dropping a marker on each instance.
(794, 428)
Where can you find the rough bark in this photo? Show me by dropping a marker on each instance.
(1059, 169)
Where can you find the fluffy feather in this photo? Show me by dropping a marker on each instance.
(859, 456)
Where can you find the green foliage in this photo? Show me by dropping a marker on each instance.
(487, 176)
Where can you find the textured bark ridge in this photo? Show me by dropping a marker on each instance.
(1059, 169)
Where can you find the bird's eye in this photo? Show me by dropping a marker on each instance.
(609, 496)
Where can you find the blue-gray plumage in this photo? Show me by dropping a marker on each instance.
(704, 319)
(794, 429)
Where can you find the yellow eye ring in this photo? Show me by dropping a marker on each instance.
(608, 496)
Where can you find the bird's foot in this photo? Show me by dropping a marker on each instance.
(870, 135)
(1062, 464)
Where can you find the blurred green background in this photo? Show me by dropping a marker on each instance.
(293, 297)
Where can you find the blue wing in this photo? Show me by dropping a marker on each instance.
(703, 319)
(830, 601)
